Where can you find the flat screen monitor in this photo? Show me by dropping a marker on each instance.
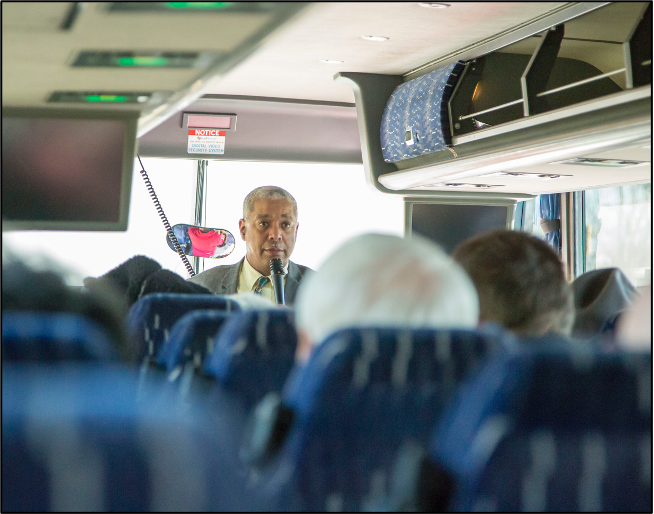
(448, 224)
(66, 169)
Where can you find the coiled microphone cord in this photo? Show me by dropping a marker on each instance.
(160, 211)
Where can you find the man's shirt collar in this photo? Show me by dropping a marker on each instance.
(250, 275)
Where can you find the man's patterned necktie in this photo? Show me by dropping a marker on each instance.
(260, 283)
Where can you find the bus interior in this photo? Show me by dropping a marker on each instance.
(124, 124)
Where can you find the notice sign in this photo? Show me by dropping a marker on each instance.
(206, 141)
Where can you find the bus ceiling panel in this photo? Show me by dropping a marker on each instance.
(38, 54)
(594, 22)
(35, 16)
(291, 67)
(266, 130)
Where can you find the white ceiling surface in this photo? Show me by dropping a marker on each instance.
(288, 66)
(36, 53)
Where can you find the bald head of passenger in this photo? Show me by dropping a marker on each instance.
(384, 280)
(520, 282)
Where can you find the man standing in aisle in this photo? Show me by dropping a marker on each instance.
(269, 228)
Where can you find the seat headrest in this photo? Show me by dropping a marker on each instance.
(599, 296)
(254, 353)
(193, 332)
(54, 337)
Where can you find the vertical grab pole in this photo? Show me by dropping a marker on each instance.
(200, 204)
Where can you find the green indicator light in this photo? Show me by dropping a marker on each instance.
(142, 61)
(105, 98)
(198, 5)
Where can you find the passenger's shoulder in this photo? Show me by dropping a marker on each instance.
(215, 272)
(223, 268)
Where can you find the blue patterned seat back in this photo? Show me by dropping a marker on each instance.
(193, 333)
(53, 336)
(75, 439)
(552, 431)
(416, 120)
(254, 353)
(150, 320)
(362, 392)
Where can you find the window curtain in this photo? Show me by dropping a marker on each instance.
(550, 213)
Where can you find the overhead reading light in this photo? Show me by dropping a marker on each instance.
(145, 59)
(495, 174)
(478, 186)
(375, 38)
(532, 176)
(100, 97)
(605, 163)
(434, 5)
(329, 61)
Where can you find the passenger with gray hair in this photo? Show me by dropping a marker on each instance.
(269, 228)
(384, 280)
(520, 282)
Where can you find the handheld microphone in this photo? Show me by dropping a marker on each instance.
(277, 279)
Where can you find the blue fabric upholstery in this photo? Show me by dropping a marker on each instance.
(420, 106)
(53, 336)
(254, 353)
(151, 318)
(193, 333)
(362, 392)
(75, 439)
(552, 430)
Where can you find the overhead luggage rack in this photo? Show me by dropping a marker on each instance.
(575, 90)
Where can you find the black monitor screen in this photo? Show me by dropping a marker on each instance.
(448, 225)
(65, 173)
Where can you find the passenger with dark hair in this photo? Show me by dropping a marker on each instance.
(520, 282)
(139, 276)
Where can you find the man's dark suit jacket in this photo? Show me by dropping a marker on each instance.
(224, 279)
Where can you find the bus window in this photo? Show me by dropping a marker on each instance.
(619, 230)
(334, 204)
(328, 216)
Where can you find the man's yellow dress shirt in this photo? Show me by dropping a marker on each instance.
(248, 277)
